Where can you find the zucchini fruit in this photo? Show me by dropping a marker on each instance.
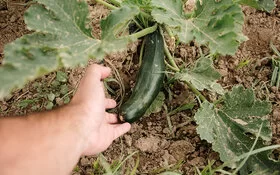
(149, 79)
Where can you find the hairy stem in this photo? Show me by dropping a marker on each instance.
(169, 31)
(137, 23)
(195, 91)
(170, 67)
(175, 68)
(106, 4)
(116, 3)
(220, 100)
(146, 15)
(145, 32)
(141, 52)
(170, 57)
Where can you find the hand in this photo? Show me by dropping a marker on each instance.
(100, 127)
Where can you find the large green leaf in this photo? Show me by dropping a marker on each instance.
(62, 37)
(216, 23)
(233, 128)
(117, 21)
(143, 4)
(266, 5)
(113, 25)
(202, 76)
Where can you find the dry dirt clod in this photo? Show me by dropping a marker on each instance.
(168, 158)
(276, 114)
(128, 140)
(198, 162)
(148, 144)
(180, 149)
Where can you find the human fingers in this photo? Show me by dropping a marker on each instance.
(121, 129)
(110, 103)
(97, 72)
(91, 84)
(111, 118)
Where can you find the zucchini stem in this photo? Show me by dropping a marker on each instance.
(170, 67)
(141, 52)
(137, 23)
(106, 4)
(196, 92)
(116, 3)
(145, 32)
(145, 15)
(220, 100)
(168, 54)
(169, 121)
(169, 32)
(170, 57)
(175, 68)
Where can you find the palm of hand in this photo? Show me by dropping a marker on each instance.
(102, 127)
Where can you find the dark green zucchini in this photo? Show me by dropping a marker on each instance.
(149, 79)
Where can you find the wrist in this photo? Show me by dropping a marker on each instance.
(79, 125)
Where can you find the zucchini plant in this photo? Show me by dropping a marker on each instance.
(62, 38)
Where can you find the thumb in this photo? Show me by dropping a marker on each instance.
(121, 129)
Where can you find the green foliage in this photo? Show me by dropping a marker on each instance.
(102, 166)
(113, 25)
(25, 103)
(61, 76)
(156, 105)
(62, 37)
(202, 76)
(266, 5)
(216, 23)
(143, 4)
(232, 129)
(188, 106)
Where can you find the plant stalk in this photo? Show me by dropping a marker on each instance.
(220, 100)
(146, 15)
(106, 4)
(170, 67)
(116, 3)
(168, 54)
(169, 31)
(141, 52)
(145, 32)
(174, 67)
(196, 92)
(170, 57)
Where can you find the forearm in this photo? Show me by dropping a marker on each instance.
(41, 143)
(52, 142)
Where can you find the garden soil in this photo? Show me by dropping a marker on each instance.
(158, 145)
